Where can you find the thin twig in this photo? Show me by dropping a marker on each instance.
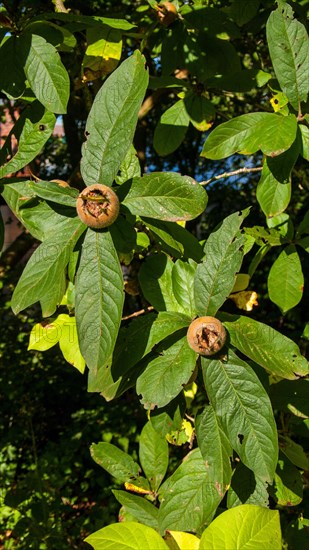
(137, 313)
(233, 173)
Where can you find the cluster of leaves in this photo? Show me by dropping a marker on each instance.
(179, 277)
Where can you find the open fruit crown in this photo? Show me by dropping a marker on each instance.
(206, 335)
(97, 206)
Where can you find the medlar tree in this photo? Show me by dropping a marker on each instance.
(196, 366)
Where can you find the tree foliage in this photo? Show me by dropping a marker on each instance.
(163, 93)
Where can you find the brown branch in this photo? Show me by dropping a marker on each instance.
(151, 101)
(138, 313)
(233, 173)
(59, 6)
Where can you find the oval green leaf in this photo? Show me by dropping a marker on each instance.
(166, 196)
(244, 411)
(247, 527)
(98, 299)
(187, 490)
(289, 51)
(44, 273)
(32, 130)
(216, 275)
(153, 455)
(112, 120)
(45, 72)
(171, 129)
(286, 280)
(267, 347)
(115, 461)
(271, 133)
(126, 536)
(166, 374)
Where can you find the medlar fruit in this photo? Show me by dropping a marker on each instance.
(206, 335)
(167, 13)
(97, 206)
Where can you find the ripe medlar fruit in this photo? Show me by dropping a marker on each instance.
(167, 13)
(206, 335)
(97, 206)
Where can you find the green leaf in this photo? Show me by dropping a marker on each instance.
(68, 342)
(303, 227)
(86, 21)
(133, 343)
(99, 299)
(166, 374)
(155, 278)
(174, 239)
(289, 51)
(304, 243)
(126, 536)
(265, 236)
(246, 488)
(244, 527)
(143, 510)
(171, 129)
(286, 280)
(115, 461)
(200, 110)
(273, 195)
(44, 273)
(111, 122)
(183, 285)
(103, 52)
(166, 196)
(246, 134)
(294, 452)
(179, 540)
(215, 449)
(138, 339)
(53, 192)
(216, 275)
(187, 490)
(274, 188)
(170, 418)
(39, 218)
(129, 168)
(304, 130)
(288, 484)
(282, 223)
(44, 335)
(12, 79)
(244, 411)
(32, 129)
(267, 347)
(242, 13)
(153, 455)
(45, 72)
(123, 235)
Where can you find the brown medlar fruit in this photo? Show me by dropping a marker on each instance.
(97, 206)
(167, 13)
(206, 335)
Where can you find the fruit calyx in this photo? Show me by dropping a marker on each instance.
(206, 335)
(97, 206)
